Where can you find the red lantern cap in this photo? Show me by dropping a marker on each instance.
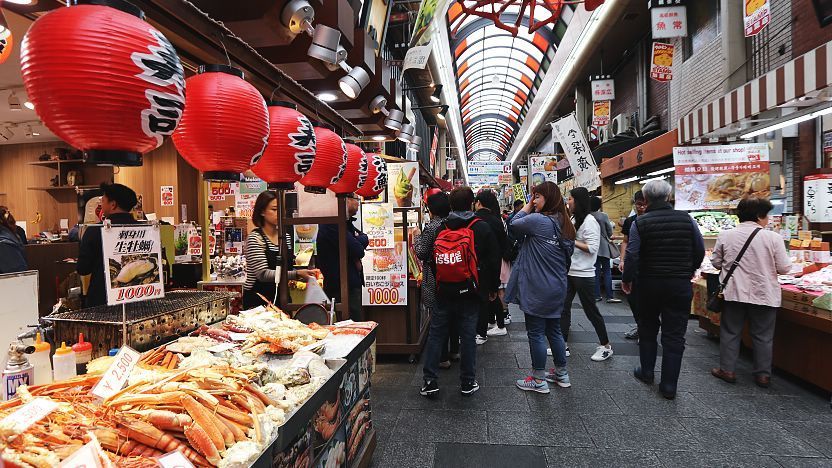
(291, 149)
(376, 177)
(225, 126)
(103, 80)
(356, 173)
(330, 160)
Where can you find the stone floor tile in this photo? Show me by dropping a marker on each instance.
(818, 435)
(648, 402)
(707, 459)
(517, 428)
(492, 456)
(404, 453)
(757, 406)
(441, 425)
(559, 457)
(639, 432)
(804, 462)
(747, 437)
(573, 401)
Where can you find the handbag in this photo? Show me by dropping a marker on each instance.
(615, 252)
(716, 303)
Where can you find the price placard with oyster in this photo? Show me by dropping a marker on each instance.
(403, 190)
(717, 177)
(133, 260)
(377, 219)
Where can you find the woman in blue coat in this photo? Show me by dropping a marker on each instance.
(538, 281)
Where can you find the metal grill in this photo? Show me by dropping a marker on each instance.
(149, 323)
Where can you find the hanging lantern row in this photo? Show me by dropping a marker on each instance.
(376, 177)
(124, 92)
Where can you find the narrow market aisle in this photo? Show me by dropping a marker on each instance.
(607, 418)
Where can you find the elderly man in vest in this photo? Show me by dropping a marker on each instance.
(664, 252)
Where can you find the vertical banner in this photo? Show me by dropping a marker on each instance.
(757, 14)
(403, 188)
(661, 66)
(427, 11)
(433, 147)
(817, 198)
(132, 263)
(568, 132)
(601, 113)
(377, 221)
(385, 276)
(166, 195)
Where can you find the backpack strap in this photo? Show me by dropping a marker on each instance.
(472, 222)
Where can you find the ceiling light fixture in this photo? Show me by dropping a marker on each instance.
(379, 138)
(297, 16)
(415, 143)
(327, 97)
(354, 82)
(377, 105)
(22, 2)
(644, 181)
(14, 102)
(662, 171)
(405, 134)
(788, 121)
(394, 120)
(626, 181)
(29, 105)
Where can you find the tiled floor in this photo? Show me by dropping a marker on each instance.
(607, 418)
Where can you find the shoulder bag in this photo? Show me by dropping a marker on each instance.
(717, 301)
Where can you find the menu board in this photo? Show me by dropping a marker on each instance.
(385, 276)
(377, 222)
(132, 263)
(403, 188)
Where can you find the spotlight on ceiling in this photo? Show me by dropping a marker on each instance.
(22, 2)
(379, 138)
(415, 143)
(327, 97)
(406, 133)
(340, 60)
(14, 102)
(6, 132)
(437, 92)
(377, 104)
(29, 105)
(442, 111)
(354, 82)
(325, 43)
(29, 132)
(298, 15)
(394, 120)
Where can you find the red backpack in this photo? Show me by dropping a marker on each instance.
(456, 260)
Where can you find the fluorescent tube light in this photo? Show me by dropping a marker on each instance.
(662, 171)
(626, 181)
(787, 123)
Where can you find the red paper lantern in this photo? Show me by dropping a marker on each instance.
(225, 126)
(376, 177)
(291, 149)
(103, 80)
(356, 174)
(330, 160)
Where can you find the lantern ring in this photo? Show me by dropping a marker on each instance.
(221, 176)
(120, 5)
(113, 158)
(290, 105)
(282, 186)
(219, 68)
(315, 190)
(317, 124)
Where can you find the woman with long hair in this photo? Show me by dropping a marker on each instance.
(12, 253)
(538, 282)
(582, 272)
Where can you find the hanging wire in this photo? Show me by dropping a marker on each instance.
(222, 43)
(276, 89)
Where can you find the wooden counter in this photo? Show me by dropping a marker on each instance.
(47, 259)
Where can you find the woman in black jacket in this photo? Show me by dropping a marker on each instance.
(488, 210)
(12, 254)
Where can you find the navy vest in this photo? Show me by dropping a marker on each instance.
(667, 238)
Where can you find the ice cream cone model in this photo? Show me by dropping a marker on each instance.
(403, 190)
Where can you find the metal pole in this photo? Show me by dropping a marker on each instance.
(123, 324)
(205, 222)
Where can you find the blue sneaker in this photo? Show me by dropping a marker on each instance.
(530, 384)
(559, 377)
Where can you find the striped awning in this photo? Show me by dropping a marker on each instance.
(811, 71)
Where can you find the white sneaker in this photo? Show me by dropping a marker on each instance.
(568, 353)
(481, 339)
(508, 319)
(497, 331)
(602, 353)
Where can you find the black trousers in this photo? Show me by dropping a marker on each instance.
(585, 289)
(489, 312)
(632, 299)
(665, 305)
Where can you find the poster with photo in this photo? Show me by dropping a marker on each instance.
(377, 222)
(132, 263)
(661, 67)
(305, 245)
(543, 168)
(385, 276)
(166, 195)
(601, 112)
(234, 241)
(403, 188)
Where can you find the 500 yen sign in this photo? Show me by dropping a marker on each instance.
(383, 296)
(135, 292)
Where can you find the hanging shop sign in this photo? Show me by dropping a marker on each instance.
(450, 164)
(385, 276)
(661, 66)
(568, 132)
(523, 170)
(717, 177)
(377, 221)
(817, 198)
(132, 263)
(543, 168)
(603, 88)
(757, 14)
(601, 112)
(416, 57)
(669, 19)
(487, 172)
(519, 192)
(505, 179)
(167, 195)
(404, 190)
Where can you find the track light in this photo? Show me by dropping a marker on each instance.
(29, 105)
(6, 132)
(354, 82)
(437, 92)
(14, 102)
(29, 132)
(415, 143)
(394, 120)
(298, 15)
(377, 104)
(405, 134)
(441, 114)
(324, 44)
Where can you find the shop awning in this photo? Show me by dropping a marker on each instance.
(810, 72)
(646, 153)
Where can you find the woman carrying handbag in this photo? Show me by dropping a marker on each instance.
(750, 258)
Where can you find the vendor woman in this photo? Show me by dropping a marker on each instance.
(263, 254)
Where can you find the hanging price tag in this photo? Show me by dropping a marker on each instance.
(117, 374)
(174, 459)
(28, 414)
(89, 456)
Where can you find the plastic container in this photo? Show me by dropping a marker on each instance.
(113, 352)
(83, 354)
(41, 362)
(64, 363)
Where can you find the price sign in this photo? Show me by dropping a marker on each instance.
(167, 195)
(117, 374)
(385, 276)
(132, 263)
(377, 220)
(88, 456)
(174, 459)
(220, 190)
(28, 414)
(383, 296)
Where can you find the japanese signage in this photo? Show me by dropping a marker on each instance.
(450, 164)
(544, 168)
(246, 197)
(505, 179)
(416, 57)
(487, 172)
(601, 113)
(377, 220)
(568, 132)
(385, 276)
(603, 90)
(523, 170)
(403, 189)
(219, 190)
(717, 177)
(669, 21)
(167, 195)
(817, 198)
(519, 192)
(757, 14)
(132, 263)
(661, 67)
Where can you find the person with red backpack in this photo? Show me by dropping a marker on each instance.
(467, 268)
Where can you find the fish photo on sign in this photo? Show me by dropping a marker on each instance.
(134, 270)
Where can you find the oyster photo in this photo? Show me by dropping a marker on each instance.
(133, 271)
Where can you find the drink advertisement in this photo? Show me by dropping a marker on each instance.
(403, 187)
(133, 263)
(661, 68)
(757, 14)
(385, 276)
(234, 241)
(377, 220)
(717, 177)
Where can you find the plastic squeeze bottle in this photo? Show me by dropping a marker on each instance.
(64, 363)
(41, 362)
(83, 354)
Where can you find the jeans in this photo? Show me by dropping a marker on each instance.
(665, 304)
(603, 275)
(584, 288)
(761, 321)
(452, 343)
(464, 311)
(543, 331)
(490, 311)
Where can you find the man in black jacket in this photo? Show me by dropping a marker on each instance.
(488, 210)
(464, 308)
(664, 251)
(116, 204)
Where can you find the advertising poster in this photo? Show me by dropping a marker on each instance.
(661, 66)
(219, 190)
(817, 198)
(194, 242)
(377, 220)
(543, 168)
(601, 112)
(757, 14)
(403, 187)
(603, 90)
(305, 246)
(181, 234)
(427, 10)
(385, 276)
(717, 177)
(167, 195)
(450, 164)
(669, 21)
(505, 179)
(244, 204)
(133, 263)
(234, 241)
(519, 192)
(568, 132)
